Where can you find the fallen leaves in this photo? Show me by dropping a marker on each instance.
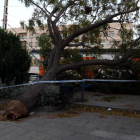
(103, 111)
(66, 114)
(102, 116)
(132, 106)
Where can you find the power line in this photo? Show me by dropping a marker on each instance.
(13, 16)
(12, 22)
(16, 6)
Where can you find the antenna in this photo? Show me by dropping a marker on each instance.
(4, 26)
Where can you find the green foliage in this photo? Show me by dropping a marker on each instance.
(120, 88)
(18, 91)
(45, 44)
(69, 16)
(71, 56)
(14, 60)
(121, 73)
(50, 96)
(5, 92)
(11, 92)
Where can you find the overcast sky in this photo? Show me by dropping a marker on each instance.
(16, 12)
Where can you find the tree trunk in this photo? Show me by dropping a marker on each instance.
(30, 97)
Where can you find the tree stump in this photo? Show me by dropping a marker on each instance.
(15, 109)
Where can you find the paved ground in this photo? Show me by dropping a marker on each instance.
(130, 102)
(86, 126)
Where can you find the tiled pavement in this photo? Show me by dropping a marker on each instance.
(86, 126)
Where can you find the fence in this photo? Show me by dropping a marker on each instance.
(122, 101)
(72, 81)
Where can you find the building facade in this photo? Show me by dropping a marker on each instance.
(30, 41)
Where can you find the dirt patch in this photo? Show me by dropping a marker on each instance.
(66, 114)
(79, 99)
(108, 99)
(104, 111)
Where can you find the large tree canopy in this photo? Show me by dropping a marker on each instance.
(65, 20)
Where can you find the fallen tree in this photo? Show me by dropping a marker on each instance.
(87, 19)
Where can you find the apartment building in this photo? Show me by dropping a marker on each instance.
(30, 40)
(27, 38)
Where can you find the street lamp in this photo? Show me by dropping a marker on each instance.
(5, 15)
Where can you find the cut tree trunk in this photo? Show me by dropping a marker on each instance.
(29, 98)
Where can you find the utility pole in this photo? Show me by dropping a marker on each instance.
(5, 14)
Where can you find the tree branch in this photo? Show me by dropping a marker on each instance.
(39, 7)
(86, 29)
(77, 65)
(61, 12)
(56, 9)
(82, 73)
(56, 32)
(50, 31)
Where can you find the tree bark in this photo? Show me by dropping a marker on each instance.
(30, 97)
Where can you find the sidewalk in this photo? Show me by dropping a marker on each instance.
(86, 126)
(118, 101)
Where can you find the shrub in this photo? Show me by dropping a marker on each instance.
(14, 59)
(11, 93)
(5, 92)
(50, 95)
(120, 88)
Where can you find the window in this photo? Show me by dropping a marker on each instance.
(23, 37)
(110, 43)
(31, 44)
(31, 35)
(111, 33)
(37, 44)
(103, 42)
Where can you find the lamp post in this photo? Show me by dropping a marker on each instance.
(4, 24)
